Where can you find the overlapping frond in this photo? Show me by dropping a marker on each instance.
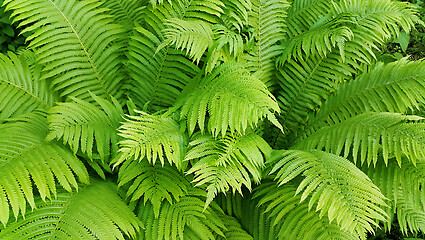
(232, 98)
(367, 135)
(234, 230)
(154, 182)
(236, 13)
(186, 219)
(336, 187)
(157, 78)
(306, 83)
(192, 36)
(87, 127)
(76, 43)
(292, 219)
(393, 87)
(155, 137)
(347, 35)
(94, 212)
(27, 162)
(126, 12)
(267, 19)
(302, 14)
(20, 87)
(404, 188)
(227, 163)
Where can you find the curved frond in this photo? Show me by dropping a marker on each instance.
(404, 188)
(126, 12)
(76, 42)
(302, 14)
(27, 161)
(94, 212)
(83, 125)
(267, 19)
(193, 36)
(335, 185)
(186, 219)
(21, 90)
(292, 218)
(306, 83)
(153, 137)
(235, 100)
(234, 230)
(227, 162)
(154, 182)
(236, 13)
(394, 87)
(368, 134)
(156, 78)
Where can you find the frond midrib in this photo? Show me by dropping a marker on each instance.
(336, 107)
(84, 49)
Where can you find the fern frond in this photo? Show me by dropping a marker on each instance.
(302, 14)
(292, 218)
(227, 162)
(20, 87)
(404, 188)
(193, 36)
(83, 125)
(76, 42)
(228, 46)
(267, 19)
(126, 12)
(305, 84)
(336, 186)
(234, 230)
(94, 212)
(182, 220)
(157, 78)
(393, 87)
(27, 161)
(154, 182)
(153, 137)
(368, 134)
(235, 100)
(236, 13)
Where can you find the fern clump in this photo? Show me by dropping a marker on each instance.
(218, 119)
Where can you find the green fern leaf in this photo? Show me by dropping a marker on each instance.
(193, 36)
(20, 87)
(153, 137)
(156, 78)
(228, 85)
(94, 212)
(126, 12)
(336, 186)
(26, 160)
(226, 163)
(394, 87)
(182, 220)
(234, 229)
(267, 19)
(75, 41)
(83, 125)
(368, 134)
(293, 219)
(154, 182)
(404, 187)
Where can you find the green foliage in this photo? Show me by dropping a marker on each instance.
(215, 119)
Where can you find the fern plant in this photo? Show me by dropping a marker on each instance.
(217, 119)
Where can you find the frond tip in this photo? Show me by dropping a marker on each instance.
(235, 100)
(337, 186)
(153, 137)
